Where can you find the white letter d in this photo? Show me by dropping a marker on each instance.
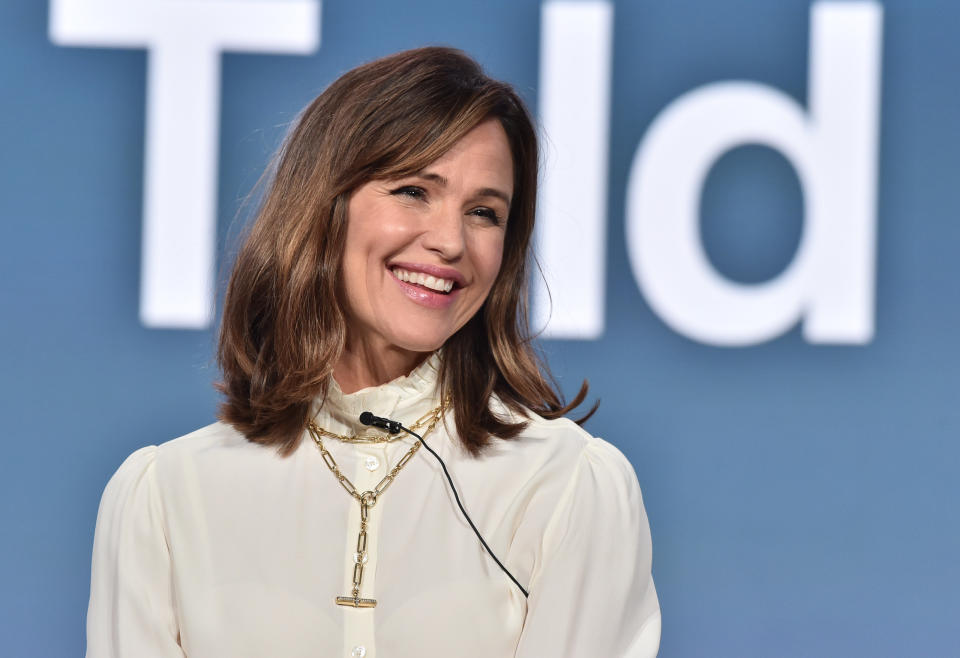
(830, 283)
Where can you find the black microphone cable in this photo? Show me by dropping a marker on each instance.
(393, 427)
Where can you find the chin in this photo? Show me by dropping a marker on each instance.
(421, 342)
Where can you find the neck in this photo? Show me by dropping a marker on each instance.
(360, 367)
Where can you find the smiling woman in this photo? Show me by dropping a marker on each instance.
(386, 272)
(427, 133)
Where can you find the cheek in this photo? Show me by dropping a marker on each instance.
(349, 266)
(365, 240)
(489, 258)
(355, 270)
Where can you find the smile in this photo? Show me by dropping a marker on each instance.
(426, 280)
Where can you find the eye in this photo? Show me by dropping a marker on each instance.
(487, 213)
(411, 191)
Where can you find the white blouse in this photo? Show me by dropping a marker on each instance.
(210, 545)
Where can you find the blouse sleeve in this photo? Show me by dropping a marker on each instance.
(131, 610)
(592, 593)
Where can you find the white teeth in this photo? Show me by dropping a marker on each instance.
(425, 280)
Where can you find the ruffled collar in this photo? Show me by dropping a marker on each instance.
(404, 399)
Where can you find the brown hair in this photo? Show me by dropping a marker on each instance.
(283, 326)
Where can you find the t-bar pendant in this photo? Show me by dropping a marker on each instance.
(356, 602)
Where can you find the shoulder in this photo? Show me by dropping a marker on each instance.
(135, 476)
(563, 450)
(212, 453)
(215, 449)
(583, 482)
(572, 489)
(217, 437)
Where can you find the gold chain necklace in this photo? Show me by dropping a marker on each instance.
(368, 499)
(373, 436)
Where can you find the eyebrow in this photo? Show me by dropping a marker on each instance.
(482, 192)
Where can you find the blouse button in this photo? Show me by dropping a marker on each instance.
(372, 464)
(358, 652)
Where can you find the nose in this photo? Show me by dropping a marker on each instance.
(444, 233)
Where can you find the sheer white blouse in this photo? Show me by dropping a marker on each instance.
(210, 545)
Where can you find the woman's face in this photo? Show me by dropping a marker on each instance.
(422, 252)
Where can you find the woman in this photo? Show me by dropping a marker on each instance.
(386, 272)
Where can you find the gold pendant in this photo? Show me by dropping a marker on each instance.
(356, 602)
(367, 500)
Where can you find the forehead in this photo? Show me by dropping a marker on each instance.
(483, 154)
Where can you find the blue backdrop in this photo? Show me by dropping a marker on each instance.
(803, 498)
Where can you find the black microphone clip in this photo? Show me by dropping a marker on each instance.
(391, 426)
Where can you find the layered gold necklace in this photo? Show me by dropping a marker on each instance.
(368, 499)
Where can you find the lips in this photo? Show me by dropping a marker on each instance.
(437, 284)
(428, 285)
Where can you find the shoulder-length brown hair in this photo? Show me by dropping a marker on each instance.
(283, 323)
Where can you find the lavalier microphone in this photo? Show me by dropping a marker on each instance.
(391, 426)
